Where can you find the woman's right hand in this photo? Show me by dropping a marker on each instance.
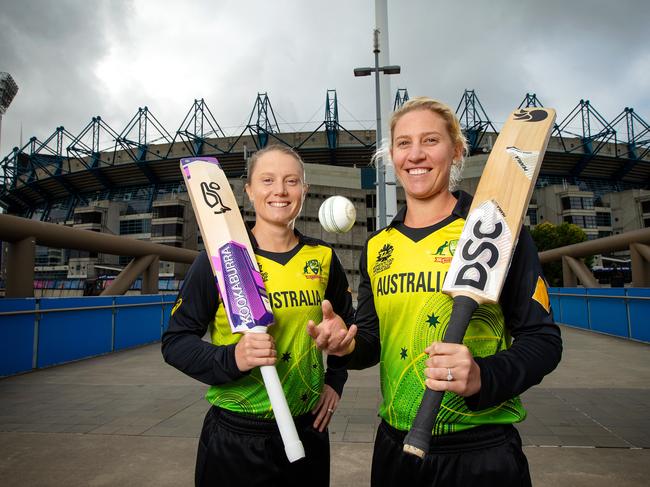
(255, 350)
(332, 335)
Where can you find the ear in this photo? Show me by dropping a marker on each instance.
(458, 153)
(305, 189)
(247, 188)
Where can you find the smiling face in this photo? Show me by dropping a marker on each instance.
(276, 188)
(423, 152)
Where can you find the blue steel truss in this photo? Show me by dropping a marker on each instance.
(198, 129)
(332, 119)
(593, 131)
(401, 97)
(474, 121)
(636, 145)
(530, 100)
(40, 167)
(141, 126)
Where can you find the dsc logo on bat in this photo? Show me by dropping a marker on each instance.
(483, 250)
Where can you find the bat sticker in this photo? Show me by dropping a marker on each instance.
(212, 198)
(530, 115)
(484, 247)
(527, 161)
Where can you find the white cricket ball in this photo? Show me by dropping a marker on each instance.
(337, 214)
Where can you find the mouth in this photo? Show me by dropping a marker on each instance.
(278, 204)
(417, 171)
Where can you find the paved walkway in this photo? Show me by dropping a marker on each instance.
(128, 419)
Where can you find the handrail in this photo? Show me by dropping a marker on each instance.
(83, 308)
(637, 241)
(597, 246)
(15, 229)
(604, 296)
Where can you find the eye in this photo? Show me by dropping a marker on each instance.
(403, 143)
(267, 181)
(430, 140)
(292, 181)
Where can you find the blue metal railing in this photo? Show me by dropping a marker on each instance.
(40, 332)
(621, 312)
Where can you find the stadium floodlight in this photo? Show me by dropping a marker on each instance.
(8, 89)
(381, 173)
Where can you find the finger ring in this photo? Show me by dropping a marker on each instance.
(449, 376)
(330, 411)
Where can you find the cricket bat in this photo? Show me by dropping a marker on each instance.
(237, 274)
(482, 259)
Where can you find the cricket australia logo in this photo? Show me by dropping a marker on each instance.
(265, 275)
(212, 198)
(384, 259)
(485, 249)
(531, 115)
(313, 269)
(445, 252)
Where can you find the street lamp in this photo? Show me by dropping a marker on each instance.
(381, 179)
(8, 89)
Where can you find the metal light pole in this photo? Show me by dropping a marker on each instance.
(381, 174)
(8, 89)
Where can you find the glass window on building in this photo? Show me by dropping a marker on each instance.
(168, 211)
(603, 219)
(131, 227)
(532, 215)
(88, 217)
(588, 203)
(645, 206)
(646, 222)
(590, 221)
(167, 230)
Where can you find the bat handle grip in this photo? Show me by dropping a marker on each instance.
(292, 444)
(418, 438)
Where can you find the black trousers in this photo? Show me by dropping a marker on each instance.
(238, 450)
(488, 456)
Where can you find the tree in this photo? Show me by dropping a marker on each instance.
(548, 236)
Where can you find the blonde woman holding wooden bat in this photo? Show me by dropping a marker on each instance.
(403, 316)
(240, 444)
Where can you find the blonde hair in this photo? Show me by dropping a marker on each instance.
(453, 128)
(252, 162)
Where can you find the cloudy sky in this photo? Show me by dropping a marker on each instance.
(75, 59)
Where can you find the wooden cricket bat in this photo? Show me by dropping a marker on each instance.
(482, 259)
(237, 274)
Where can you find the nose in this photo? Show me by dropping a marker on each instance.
(416, 152)
(279, 187)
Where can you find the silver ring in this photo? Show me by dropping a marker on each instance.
(449, 376)
(331, 411)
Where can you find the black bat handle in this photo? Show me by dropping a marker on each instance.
(418, 438)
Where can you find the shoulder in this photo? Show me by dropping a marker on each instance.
(314, 242)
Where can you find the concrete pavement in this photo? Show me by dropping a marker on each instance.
(128, 419)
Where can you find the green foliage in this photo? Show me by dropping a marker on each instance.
(548, 236)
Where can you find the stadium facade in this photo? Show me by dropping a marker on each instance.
(595, 176)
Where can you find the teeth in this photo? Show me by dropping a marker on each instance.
(279, 204)
(418, 170)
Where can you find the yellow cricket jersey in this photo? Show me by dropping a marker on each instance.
(296, 284)
(406, 278)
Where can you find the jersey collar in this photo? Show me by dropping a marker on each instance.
(464, 201)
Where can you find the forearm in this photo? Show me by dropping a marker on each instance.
(511, 372)
(200, 360)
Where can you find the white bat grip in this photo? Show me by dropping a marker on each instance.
(292, 444)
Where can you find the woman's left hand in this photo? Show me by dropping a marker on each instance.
(325, 408)
(451, 367)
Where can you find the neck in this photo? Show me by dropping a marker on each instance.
(274, 238)
(422, 213)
